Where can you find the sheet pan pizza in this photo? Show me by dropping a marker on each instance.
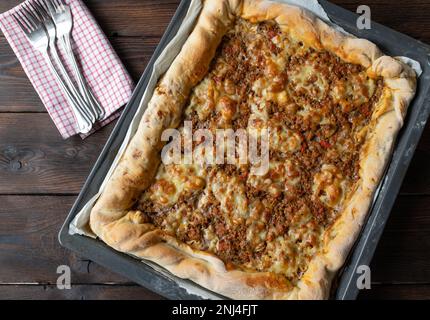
(333, 105)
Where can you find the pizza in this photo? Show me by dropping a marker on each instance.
(332, 105)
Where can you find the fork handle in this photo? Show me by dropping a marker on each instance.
(83, 86)
(76, 94)
(84, 123)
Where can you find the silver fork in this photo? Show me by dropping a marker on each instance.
(38, 37)
(44, 17)
(63, 19)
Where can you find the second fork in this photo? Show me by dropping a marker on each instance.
(44, 17)
(62, 17)
(38, 37)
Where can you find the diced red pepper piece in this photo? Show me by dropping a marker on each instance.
(325, 144)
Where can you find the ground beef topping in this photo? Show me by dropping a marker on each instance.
(316, 107)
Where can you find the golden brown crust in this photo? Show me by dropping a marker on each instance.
(125, 230)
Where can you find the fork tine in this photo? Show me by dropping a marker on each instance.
(63, 3)
(21, 24)
(24, 20)
(38, 7)
(49, 5)
(30, 16)
(59, 5)
(42, 6)
(36, 12)
(54, 3)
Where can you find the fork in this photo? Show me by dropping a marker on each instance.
(43, 16)
(38, 37)
(63, 19)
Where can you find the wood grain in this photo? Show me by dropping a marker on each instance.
(34, 159)
(402, 255)
(126, 17)
(396, 292)
(29, 247)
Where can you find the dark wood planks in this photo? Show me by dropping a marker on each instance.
(125, 17)
(29, 248)
(402, 254)
(34, 159)
(396, 292)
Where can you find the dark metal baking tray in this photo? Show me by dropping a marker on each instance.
(391, 42)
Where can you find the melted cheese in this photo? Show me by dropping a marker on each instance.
(353, 92)
(281, 177)
(284, 140)
(204, 99)
(174, 181)
(230, 192)
(329, 185)
(307, 79)
(274, 222)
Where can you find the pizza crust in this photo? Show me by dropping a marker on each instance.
(124, 230)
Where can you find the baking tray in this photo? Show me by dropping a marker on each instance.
(344, 288)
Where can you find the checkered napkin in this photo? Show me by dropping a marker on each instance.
(103, 70)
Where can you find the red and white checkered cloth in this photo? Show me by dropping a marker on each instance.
(103, 70)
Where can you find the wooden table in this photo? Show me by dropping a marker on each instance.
(41, 175)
